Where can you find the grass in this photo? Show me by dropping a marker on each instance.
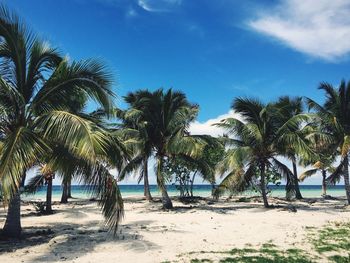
(332, 240)
(267, 253)
(331, 243)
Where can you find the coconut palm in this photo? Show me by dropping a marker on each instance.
(165, 116)
(44, 176)
(335, 114)
(36, 91)
(141, 148)
(256, 144)
(324, 165)
(290, 107)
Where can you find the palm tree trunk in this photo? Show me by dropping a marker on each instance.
(12, 226)
(346, 178)
(49, 196)
(263, 185)
(324, 183)
(192, 182)
(69, 190)
(296, 182)
(147, 192)
(167, 204)
(64, 198)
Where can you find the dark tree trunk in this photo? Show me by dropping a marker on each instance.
(346, 178)
(166, 201)
(296, 182)
(324, 183)
(192, 182)
(49, 195)
(263, 186)
(147, 191)
(12, 226)
(64, 198)
(69, 189)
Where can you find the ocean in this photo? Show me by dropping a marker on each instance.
(79, 191)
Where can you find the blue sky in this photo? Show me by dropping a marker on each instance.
(211, 50)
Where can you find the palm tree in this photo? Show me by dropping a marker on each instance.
(256, 144)
(141, 148)
(44, 176)
(166, 117)
(36, 91)
(290, 107)
(335, 113)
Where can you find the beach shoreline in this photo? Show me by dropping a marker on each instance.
(76, 231)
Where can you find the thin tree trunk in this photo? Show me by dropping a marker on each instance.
(346, 178)
(64, 198)
(49, 195)
(167, 204)
(12, 226)
(192, 182)
(147, 192)
(69, 189)
(324, 183)
(263, 186)
(296, 182)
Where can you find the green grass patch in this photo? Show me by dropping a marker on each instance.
(331, 243)
(332, 240)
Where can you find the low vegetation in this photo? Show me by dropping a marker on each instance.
(330, 243)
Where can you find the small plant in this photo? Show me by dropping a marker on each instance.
(39, 207)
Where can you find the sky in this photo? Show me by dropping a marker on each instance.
(213, 51)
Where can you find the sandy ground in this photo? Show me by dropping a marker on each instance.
(148, 234)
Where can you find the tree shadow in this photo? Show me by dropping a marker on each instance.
(68, 241)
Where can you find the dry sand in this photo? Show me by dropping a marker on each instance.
(148, 234)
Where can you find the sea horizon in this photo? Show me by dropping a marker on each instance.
(203, 190)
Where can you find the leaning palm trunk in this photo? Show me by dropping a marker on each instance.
(263, 186)
(346, 178)
(147, 192)
(296, 182)
(49, 195)
(324, 183)
(64, 198)
(12, 226)
(166, 201)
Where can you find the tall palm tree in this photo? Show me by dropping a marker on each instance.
(256, 144)
(36, 90)
(335, 113)
(141, 148)
(290, 107)
(166, 116)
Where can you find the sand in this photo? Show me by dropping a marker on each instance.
(148, 234)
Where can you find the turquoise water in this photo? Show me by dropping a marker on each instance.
(79, 191)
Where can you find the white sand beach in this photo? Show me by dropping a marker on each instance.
(148, 234)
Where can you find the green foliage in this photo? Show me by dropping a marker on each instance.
(42, 101)
(335, 237)
(334, 118)
(263, 134)
(331, 242)
(179, 171)
(267, 253)
(164, 118)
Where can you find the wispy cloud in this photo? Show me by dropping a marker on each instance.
(159, 5)
(320, 29)
(207, 126)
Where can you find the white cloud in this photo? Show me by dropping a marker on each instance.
(207, 126)
(320, 29)
(158, 5)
